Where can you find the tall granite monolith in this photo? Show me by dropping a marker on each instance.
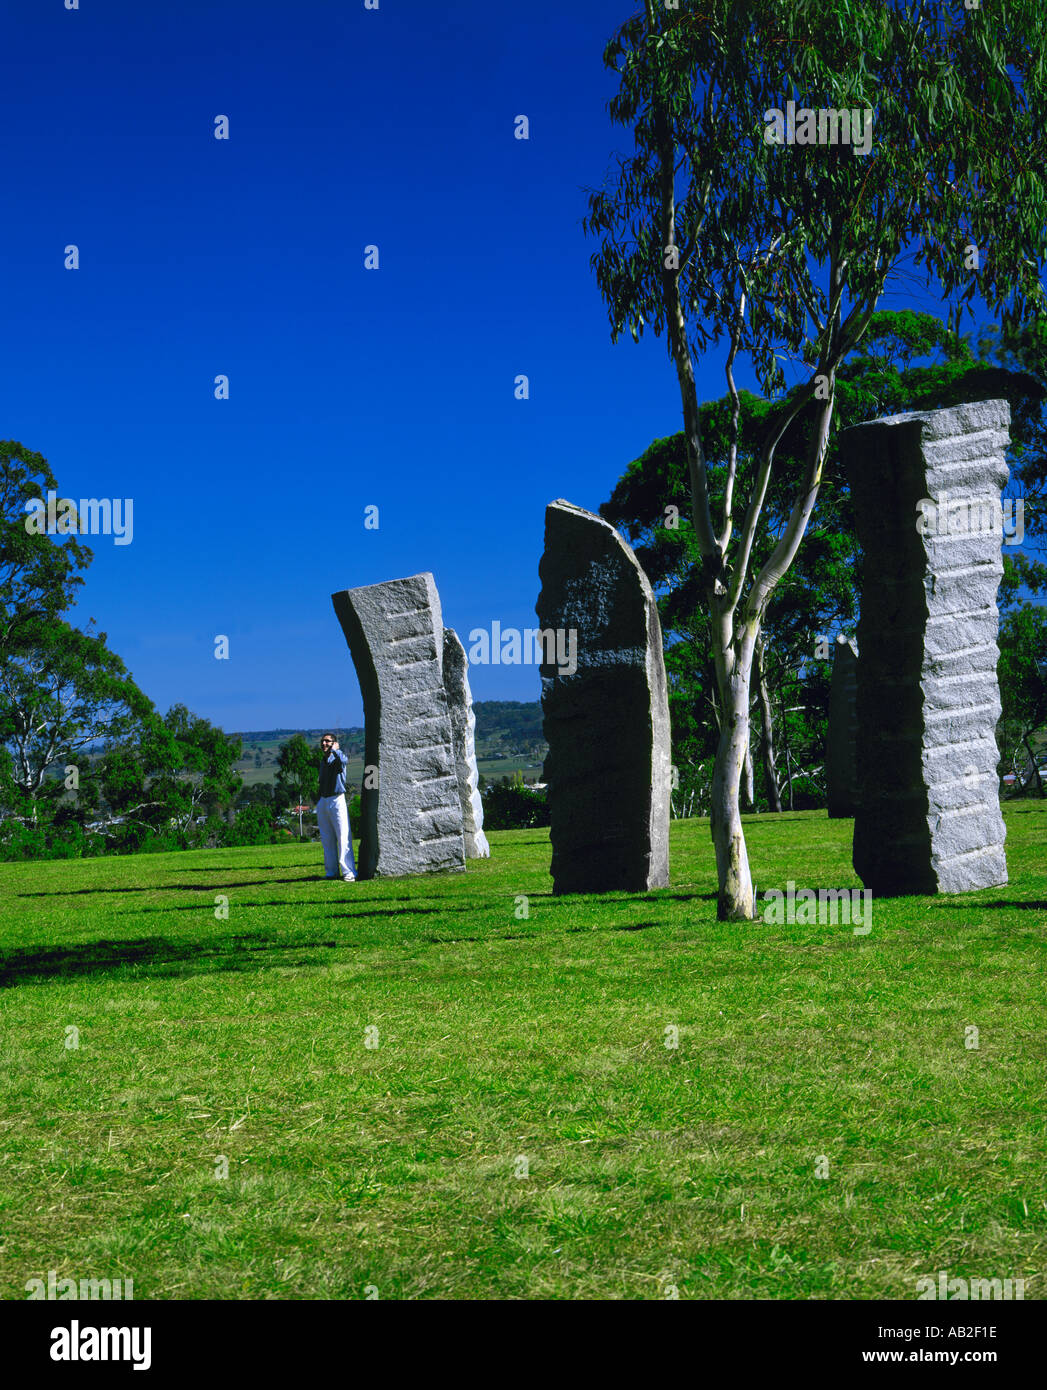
(463, 726)
(841, 769)
(605, 708)
(926, 490)
(411, 810)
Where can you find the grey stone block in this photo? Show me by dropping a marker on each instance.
(463, 725)
(411, 822)
(841, 773)
(607, 722)
(928, 818)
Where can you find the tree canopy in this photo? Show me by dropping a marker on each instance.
(713, 232)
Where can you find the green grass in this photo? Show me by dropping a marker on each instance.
(503, 1038)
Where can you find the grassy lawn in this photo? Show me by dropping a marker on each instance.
(511, 1046)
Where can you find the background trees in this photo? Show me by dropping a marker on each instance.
(712, 233)
(175, 773)
(38, 578)
(906, 361)
(298, 772)
(86, 763)
(62, 692)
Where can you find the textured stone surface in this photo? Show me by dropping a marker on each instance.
(607, 724)
(463, 725)
(411, 822)
(928, 701)
(841, 771)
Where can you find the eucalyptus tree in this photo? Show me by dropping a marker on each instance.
(38, 575)
(906, 361)
(788, 160)
(63, 693)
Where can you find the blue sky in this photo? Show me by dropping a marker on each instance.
(348, 387)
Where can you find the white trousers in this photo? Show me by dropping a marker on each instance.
(332, 816)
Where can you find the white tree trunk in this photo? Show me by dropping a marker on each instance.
(770, 762)
(748, 789)
(735, 897)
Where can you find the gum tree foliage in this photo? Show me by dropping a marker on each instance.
(298, 772)
(1023, 348)
(818, 593)
(1023, 689)
(260, 794)
(1022, 668)
(62, 691)
(174, 770)
(906, 361)
(717, 238)
(38, 575)
(67, 699)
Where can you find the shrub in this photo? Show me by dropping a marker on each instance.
(514, 808)
(253, 826)
(20, 841)
(23, 840)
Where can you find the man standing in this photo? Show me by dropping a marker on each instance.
(332, 814)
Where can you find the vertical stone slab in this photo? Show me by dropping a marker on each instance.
(605, 707)
(841, 768)
(411, 822)
(928, 700)
(463, 725)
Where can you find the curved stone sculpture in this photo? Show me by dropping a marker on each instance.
(605, 706)
(411, 821)
(928, 700)
(463, 724)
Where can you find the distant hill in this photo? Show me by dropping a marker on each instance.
(504, 729)
(260, 738)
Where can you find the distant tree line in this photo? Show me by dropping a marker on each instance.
(87, 764)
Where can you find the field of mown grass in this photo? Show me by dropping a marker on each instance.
(511, 1046)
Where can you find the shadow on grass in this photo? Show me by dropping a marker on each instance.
(448, 902)
(97, 957)
(297, 902)
(240, 883)
(534, 935)
(1028, 904)
(230, 953)
(171, 887)
(613, 896)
